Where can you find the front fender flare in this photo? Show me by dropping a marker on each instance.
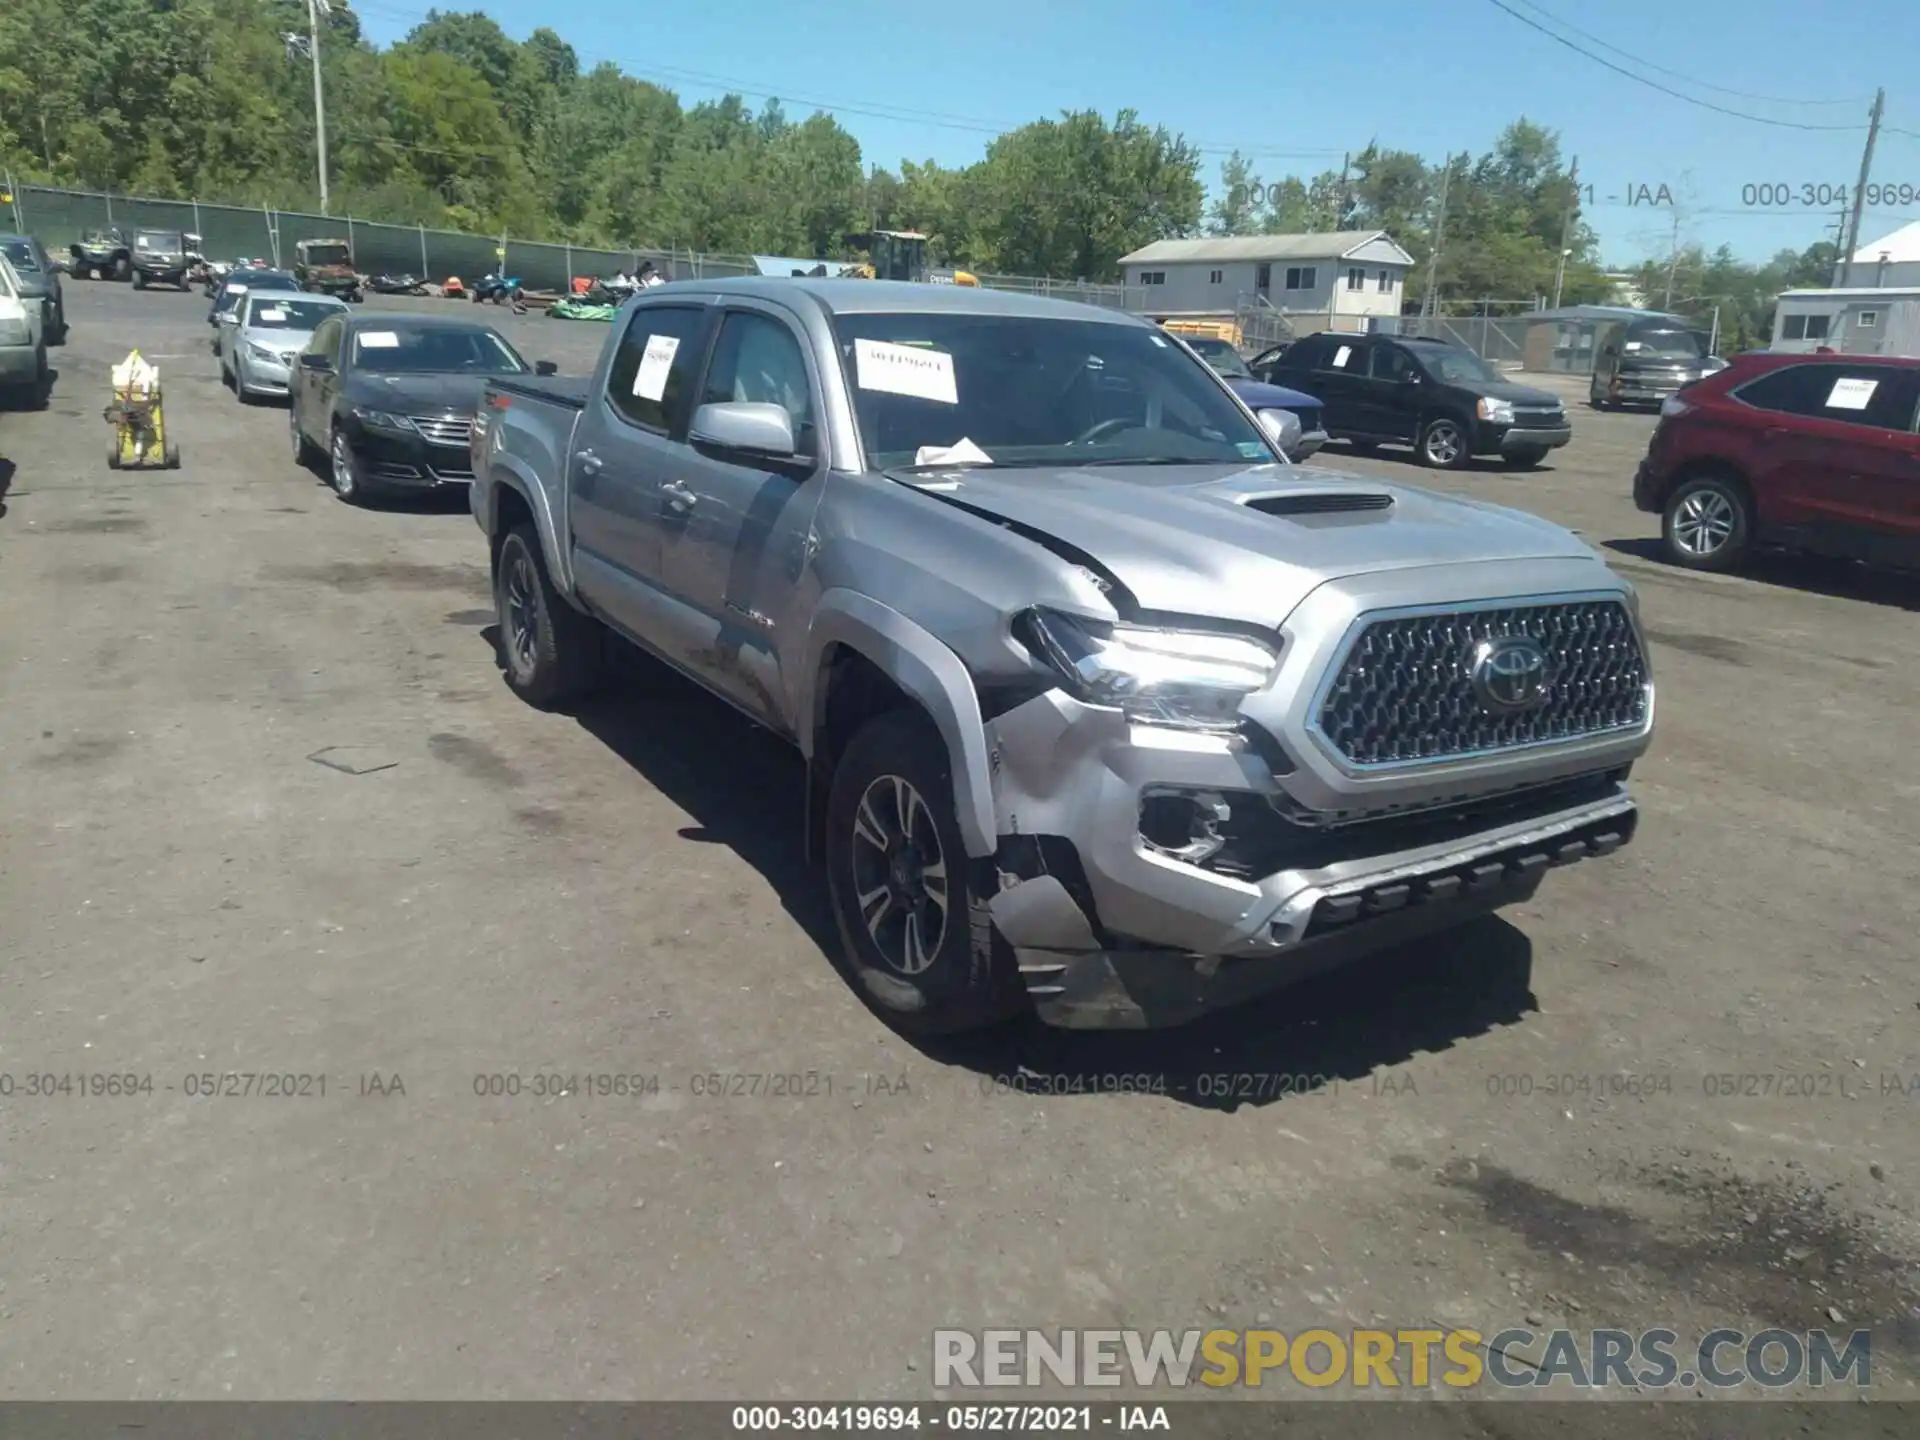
(505, 473)
(923, 666)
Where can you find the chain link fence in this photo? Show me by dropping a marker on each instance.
(230, 232)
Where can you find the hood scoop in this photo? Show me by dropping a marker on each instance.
(1319, 502)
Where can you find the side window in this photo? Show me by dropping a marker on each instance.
(1879, 397)
(653, 371)
(757, 358)
(1390, 362)
(1356, 278)
(1348, 356)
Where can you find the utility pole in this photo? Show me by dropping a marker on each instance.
(315, 9)
(1860, 190)
(1429, 303)
(1346, 193)
(1566, 231)
(1673, 264)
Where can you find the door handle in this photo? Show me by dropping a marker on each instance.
(589, 463)
(678, 495)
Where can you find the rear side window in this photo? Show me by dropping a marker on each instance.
(651, 378)
(1877, 396)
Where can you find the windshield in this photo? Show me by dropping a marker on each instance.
(329, 255)
(1224, 359)
(20, 253)
(434, 349)
(162, 240)
(1665, 345)
(1035, 392)
(277, 311)
(1453, 366)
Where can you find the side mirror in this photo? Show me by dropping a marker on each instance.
(545, 367)
(746, 428)
(316, 363)
(1283, 429)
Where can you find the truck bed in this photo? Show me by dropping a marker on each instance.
(568, 390)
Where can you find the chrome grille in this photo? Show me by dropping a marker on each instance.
(1402, 693)
(1538, 417)
(444, 429)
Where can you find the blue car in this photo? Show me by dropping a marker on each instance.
(1258, 395)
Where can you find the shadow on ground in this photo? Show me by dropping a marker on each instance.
(1816, 575)
(743, 787)
(7, 471)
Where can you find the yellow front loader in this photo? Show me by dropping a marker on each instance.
(139, 419)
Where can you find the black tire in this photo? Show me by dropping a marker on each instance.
(966, 979)
(552, 654)
(139, 280)
(172, 456)
(1525, 459)
(1707, 523)
(113, 456)
(1444, 444)
(345, 474)
(305, 453)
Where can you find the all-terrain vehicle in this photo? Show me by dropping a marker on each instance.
(325, 267)
(105, 253)
(161, 257)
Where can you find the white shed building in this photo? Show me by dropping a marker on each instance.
(1890, 262)
(1853, 321)
(1334, 280)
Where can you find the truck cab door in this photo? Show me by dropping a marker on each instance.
(736, 526)
(630, 432)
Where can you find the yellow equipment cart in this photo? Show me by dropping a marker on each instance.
(139, 419)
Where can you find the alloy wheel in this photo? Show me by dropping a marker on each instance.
(1443, 442)
(343, 481)
(521, 614)
(1703, 523)
(900, 874)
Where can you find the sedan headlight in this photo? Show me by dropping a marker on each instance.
(382, 420)
(263, 354)
(1500, 412)
(1191, 679)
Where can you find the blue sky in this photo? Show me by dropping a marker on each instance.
(1298, 85)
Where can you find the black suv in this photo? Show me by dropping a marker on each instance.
(1442, 399)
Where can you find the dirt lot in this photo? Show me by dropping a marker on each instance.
(1681, 1088)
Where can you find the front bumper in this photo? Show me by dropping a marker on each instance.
(19, 365)
(1519, 439)
(262, 377)
(1647, 389)
(1113, 924)
(411, 461)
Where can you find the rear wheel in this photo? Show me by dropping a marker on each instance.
(1708, 523)
(915, 940)
(551, 652)
(139, 280)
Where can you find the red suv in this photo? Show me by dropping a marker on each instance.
(1811, 452)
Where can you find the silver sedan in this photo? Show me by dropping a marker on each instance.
(260, 337)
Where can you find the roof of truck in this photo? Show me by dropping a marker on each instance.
(866, 297)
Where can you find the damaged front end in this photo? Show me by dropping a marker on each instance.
(1177, 832)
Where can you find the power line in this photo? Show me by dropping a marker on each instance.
(1691, 80)
(1656, 85)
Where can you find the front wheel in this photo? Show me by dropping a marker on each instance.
(345, 472)
(552, 653)
(1443, 444)
(1708, 524)
(914, 937)
(1526, 459)
(139, 280)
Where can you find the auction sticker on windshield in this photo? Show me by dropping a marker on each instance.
(1851, 394)
(905, 370)
(650, 380)
(380, 340)
(1341, 356)
(273, 314)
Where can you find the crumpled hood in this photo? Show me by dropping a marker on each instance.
(1182, 540)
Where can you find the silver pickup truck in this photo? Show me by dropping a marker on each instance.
(1106, 709)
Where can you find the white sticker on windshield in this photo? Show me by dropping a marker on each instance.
(236, 289)
(1632, 345)
(905, 370)
(379, 340)
(650, 380)
(272, 312)
(1851, 394)
(1340, 356)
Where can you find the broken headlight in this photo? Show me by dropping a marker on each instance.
(1191, 679)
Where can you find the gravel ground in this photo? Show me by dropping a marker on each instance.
(502, 892)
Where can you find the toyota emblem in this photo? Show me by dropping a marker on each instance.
(1509, 673)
